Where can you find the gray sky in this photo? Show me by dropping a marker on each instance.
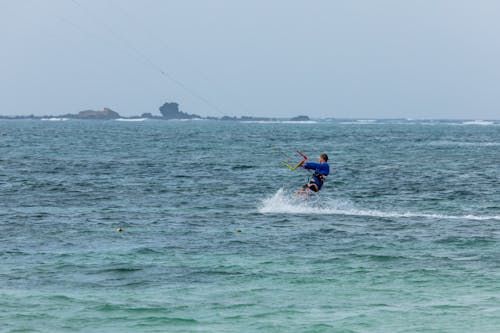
(359, 59)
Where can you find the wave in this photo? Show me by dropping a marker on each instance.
(299, 122)
(278, 122)
(54, 119)
(283, 202)
(462, 143)
(419, 122)
(478, 122)
(184, 120)
(362, 122)
(133, 119)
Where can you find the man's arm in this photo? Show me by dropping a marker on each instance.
(312, 165)
(301, 163)
(318, 166)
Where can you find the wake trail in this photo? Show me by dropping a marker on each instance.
(288, 203)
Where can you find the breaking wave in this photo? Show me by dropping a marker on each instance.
(479, 122)
(54, 119)
(130, 119)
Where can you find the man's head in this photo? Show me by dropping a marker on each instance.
(323, 158)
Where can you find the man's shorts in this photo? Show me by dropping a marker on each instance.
(312, 186)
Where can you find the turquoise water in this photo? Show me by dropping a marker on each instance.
(405, 236)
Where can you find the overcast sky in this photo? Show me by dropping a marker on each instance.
(358, 59)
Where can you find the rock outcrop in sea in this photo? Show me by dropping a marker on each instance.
(105, 114)
(171, 111)
(300, 118)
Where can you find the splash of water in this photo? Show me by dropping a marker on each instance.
(283, 202)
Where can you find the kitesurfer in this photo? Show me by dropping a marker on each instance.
(321, 170)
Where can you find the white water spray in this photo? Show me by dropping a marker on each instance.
(283, 202)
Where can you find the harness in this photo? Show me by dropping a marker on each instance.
(319, 176)
(312, 181)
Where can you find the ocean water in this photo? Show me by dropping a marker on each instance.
(404, 237)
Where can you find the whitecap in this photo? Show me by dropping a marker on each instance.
(54, 119)
(130, 119)
(478, 122)
(278, 122)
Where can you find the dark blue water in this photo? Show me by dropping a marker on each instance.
(405, 236)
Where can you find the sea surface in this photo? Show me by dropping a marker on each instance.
(404, 236)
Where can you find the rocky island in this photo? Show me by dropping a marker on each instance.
(168, 111)
(105, 114)
(300, 118)
(171, 111)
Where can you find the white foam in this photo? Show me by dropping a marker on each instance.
(54, 119)
(478, 122)
(133, 119)
(361, 123)
(278, 122)
(186, 119)
(288, 203)
(372, 122)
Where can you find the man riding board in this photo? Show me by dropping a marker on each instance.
(321, 170)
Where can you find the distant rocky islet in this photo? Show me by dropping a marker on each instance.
(168, 111)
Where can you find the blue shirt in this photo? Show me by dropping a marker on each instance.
(320, 168)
